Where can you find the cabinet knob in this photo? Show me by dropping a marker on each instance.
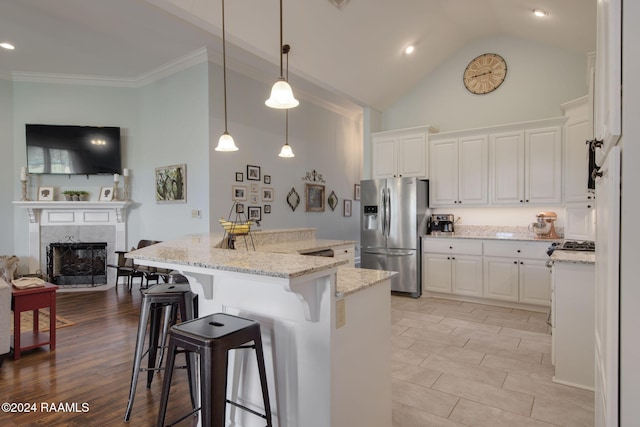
(448, 257)
(589, 206)
(518, 251)
(521, 201)
(455, 201)
(450, 247)
(521, 262)
(589, 197)
(453, 257)
(515, 262)
(526, 201)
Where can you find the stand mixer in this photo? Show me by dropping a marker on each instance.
(544, 226)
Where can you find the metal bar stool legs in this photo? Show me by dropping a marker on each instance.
(212, 337)
(154, 300)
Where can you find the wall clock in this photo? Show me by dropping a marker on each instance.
(485, 73)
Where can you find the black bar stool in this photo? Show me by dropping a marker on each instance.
(211, 337)
(172, 299)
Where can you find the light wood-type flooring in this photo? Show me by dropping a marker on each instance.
(453, 364)
(465, 364)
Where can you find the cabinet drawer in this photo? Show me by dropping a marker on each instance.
(454, 246)
(530, 250)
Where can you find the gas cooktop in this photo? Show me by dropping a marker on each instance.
(577, 245)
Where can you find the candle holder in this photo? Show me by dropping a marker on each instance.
(115, 191)
(126, 188)
(24, 190)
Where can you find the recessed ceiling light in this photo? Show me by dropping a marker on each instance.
(540, 13)
(409, 49)
(7, 46)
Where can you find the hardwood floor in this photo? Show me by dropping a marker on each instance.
(454, 364)
(91, 364)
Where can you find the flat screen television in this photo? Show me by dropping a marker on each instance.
(73, 150)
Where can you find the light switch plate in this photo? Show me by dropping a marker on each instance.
(195, 213)
(341, 313)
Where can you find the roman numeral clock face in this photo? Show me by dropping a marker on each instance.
(485, 73)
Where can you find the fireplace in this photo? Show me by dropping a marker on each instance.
(77, 263)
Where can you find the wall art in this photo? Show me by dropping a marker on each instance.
(267, 194)
(332, 200)
(45, 194)
(314, 196)
(106, 194)
(346, 207)
(171, 184)
(356, 191)
(239, 177)
(293, 199)
(238, 192)
(253, 173)
(255, 213)
(267, 179)
(267, 209)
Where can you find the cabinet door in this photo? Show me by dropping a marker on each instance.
(436, 272)
(543, 178)
(467, 275)
(576, 154)
(473, 165)
(580, 221)
(501, 278)
(412, 156)
(506, 167)
(345, 252)
(535, 282)
(384, 158)
(443, 172)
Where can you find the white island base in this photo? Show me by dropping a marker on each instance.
(327, 347)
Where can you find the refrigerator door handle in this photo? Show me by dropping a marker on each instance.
(387, 212)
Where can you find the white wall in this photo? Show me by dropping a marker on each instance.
(321, 140)
(173, 122)
(71, 105)
(539, 79)
(9, 172)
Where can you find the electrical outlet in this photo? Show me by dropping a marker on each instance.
(195, 213)
(341, 313)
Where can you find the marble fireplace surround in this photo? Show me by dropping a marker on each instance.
(51, 222)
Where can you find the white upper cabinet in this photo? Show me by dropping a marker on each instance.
(525, 165)
(400, 153)
(578, 130)
(458, 170)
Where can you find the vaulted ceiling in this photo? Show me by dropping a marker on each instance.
(354, 54)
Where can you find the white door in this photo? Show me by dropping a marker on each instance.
(467, 275)
(501, 278)
(384, 158)
(535, 282)
(506, 167)
(443, 172)
(473, 166)
(436, 272)
(543, 169)
(412, 156)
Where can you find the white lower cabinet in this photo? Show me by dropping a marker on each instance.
(345, 252)
(452, 266)
(517, 271)
(513, 271)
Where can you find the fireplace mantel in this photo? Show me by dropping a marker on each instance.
(34, 208)
(78, 214)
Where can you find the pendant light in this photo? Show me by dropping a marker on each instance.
(286, 150)
(281, 93)
(225, 143)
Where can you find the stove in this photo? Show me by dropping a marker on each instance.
(577, 245)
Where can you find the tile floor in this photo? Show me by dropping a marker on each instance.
(464, 364)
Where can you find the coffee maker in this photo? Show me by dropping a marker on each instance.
(441, 224)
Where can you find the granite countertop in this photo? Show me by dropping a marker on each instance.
(301, 246)
(493, 232)
(582, 257)
(201, 251)
(351, 280)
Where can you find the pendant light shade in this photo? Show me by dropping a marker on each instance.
(286, 151)
(281, 96)
(225, 143)
(281, 93)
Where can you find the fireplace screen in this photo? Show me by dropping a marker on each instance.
(77, 263)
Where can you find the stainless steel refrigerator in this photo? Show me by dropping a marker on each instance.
(392, 218)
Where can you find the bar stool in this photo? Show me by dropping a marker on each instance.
(172, 299)
(211, 337)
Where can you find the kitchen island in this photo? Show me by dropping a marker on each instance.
(326, 329)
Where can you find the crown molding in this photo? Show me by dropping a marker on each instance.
(182, 63)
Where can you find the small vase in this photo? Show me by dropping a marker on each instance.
(75, 197)
(68, 197)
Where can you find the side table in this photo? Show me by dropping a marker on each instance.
(33, 299)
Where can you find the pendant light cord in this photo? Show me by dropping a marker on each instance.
(224, 69)
(280, 47)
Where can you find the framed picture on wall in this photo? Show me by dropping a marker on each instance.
(267, 209)
(314, 195)
(106, 194)
(253, 173)
(239, 177)
(267, 194)
(171, 184)
(356, 191)
(255, 213)
(346, 207)
(238, 192)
